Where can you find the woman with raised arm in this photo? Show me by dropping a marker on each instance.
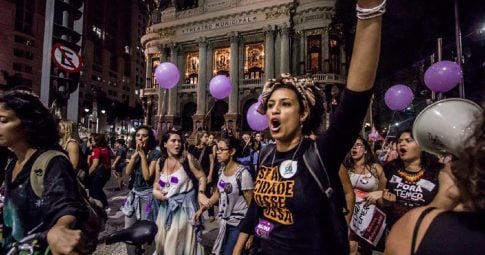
(140, 203)
(179, 183)
(234, 191)
(289, 213)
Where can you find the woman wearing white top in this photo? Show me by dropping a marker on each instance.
(178, 181)
(368, 180)
(234, 191)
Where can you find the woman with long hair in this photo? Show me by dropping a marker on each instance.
(368, 180)
(204, 154)
(179, 183)
(412, 178)
(28, 129)
(99, 168)
(140, 203)
(459, 229)
(234, 191)
(70, 142)
(289, 213)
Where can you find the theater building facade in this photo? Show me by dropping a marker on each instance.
(250, 41)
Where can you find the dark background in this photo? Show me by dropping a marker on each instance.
(410, 32)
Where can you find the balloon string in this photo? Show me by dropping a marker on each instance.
(159, 124)
(208, 112)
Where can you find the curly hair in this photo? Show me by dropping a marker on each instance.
(40, 126)
(309, 94)
(152, 141)
(469, 168)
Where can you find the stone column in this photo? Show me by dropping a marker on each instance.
(302, 57)
(161, 92)
(201, 89)
(149, 71)
(285, 50)
(326, 49)
(343, 61)
(198, 117)
(172, 93)
(234, 72)
(269, 52)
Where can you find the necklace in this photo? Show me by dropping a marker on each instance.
(289, 167)
(410, 176)
(169, 179)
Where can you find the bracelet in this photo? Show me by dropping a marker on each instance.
(369, 13)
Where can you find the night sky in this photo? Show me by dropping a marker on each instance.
(410, 32)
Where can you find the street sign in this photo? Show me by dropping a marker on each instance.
(65, 58)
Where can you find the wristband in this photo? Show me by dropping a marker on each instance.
(369, 13)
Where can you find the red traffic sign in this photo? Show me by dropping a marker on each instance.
(65, 58)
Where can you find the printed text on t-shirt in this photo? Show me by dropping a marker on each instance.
(271, 192)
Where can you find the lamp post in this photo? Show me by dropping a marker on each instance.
(459, 52)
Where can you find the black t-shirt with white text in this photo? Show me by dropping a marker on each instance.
(409, 194)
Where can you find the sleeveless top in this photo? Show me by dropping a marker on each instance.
(366, 182)
(464, 233)
(175, 183)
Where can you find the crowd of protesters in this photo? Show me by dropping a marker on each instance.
(276, 196)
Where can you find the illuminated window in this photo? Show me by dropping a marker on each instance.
(222, 61)
(192, 68)
(254, 61)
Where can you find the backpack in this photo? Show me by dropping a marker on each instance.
(238, 177)
(82, 166)
(91, 226)
(334, 198)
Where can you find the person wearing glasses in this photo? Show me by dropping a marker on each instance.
(234, 191)
(412, 178)
(368, 180)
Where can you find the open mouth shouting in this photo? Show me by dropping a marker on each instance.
(275, 125)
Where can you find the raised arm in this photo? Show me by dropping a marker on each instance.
(366, 50)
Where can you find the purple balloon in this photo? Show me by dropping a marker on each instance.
(220, 86)
(260, 99)
(442, 76)
(398, 97)
(256, 120)
(167, 75)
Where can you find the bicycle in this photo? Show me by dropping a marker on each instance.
(140, 233)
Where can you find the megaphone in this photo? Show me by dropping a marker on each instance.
(443, 127)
